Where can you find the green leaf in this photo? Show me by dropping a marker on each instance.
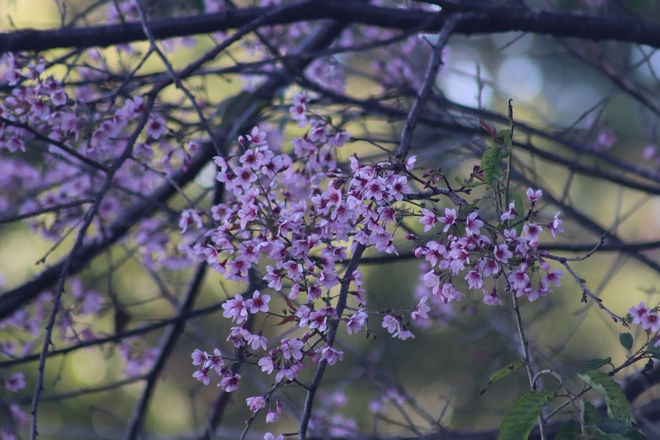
(588, 413)
(507, 137)
(520, 419)
(490, 163)
(617, 403)
(619, 428)
(568, 431)
(502, 373)
(595, 364)
(626, 340)
(653, 351)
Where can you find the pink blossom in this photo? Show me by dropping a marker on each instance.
(257, 341)
(356, 322)
(266, 364)
(58, 97)
(492, 299)
(287, 373)
(409, 163)
(448, 293)
(190, 217)
(391, 324)
(651, 321)
(532, 231)
(472, 225)
(156, 127)
(244, 177)
(534, 196)
(273, 278)
(510, 213)
(404, 334)
(299, 108)
(230, 382)
(235, 309)
(474, 280)
(339, 138)
(318, 320)
(399, 188)
(269, 436)
(639, 312)
(256, 403)
(272, 416)
(15, 382)
(202, 376)
(199, 357)
(502, 253)
(216, 362)
(428, 219)
(258, 303)
(518, 279)
(252, 158)
(331, 355)
(292, 349)
(257, 137)
(448, 219)
(554, 277)
(555, 225)
(421, 311)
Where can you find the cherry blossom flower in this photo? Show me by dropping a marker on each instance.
(230, 382)
(555, 225)
(257, 137)
(510, 213)
(235, 309)
(639, 312)
(449, 219)
(258, 303)
(331, 355)
(190, 217)
(391, 324)
(339, 138)
(492, 299)
(15, 382)
(202, 376)
(534, 196)
(474, 280)
(428, 219)
(266, 364)
(256, 403)
(651, 321)
(502, 253)
(404, 334)
(553, 277)
(155, 127)
(199, 357)
(355, 323)
(532, 232)
(272, 416)
(472, 225)
(421, 310)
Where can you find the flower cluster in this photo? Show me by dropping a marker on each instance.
(301, 217)
(648, 318)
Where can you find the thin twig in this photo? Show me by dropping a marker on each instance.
(429, 81)
(332, 332)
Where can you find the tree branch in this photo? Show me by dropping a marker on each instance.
(482, 20)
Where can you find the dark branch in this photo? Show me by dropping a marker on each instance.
(481, 20)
